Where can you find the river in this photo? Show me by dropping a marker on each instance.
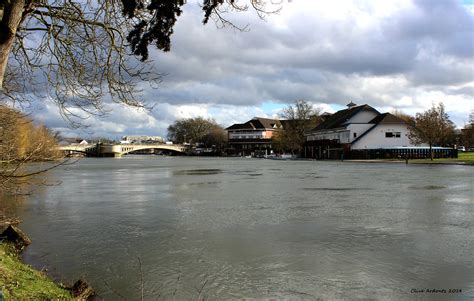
(235, 228)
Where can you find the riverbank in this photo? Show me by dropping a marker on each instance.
(464, 158)
(19, 281)
(417, 161)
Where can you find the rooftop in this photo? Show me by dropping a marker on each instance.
(338, 119)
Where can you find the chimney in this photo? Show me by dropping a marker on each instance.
(351, 105)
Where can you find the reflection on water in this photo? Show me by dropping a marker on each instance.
(335, 189)
(197, 172)
(256, 229)
(427, 187)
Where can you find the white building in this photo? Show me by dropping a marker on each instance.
(385, 131)
(361, 132)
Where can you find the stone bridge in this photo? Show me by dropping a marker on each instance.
(118, 150)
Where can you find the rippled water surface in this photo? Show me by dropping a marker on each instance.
(256, 229)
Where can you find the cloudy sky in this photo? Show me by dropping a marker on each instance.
(403, 55)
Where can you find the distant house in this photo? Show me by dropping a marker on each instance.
(73, 141)
(253, 137)
(363, 132)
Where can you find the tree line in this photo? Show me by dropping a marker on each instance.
(432, 127)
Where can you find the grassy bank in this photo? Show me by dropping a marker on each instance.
(466, 158)
(19, 281)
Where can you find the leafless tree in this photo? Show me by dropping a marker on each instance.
(467, 133)
(78, 52)
(432, 127)
(75, 52)
(297, 118)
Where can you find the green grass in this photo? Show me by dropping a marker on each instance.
(466, 156)
(19, 281)
(463, 158)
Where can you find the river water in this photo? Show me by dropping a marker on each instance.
(232, 228)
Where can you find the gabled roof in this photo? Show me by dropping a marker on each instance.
(268, 123)
(257, 123)
(385, 118)
(337, 119)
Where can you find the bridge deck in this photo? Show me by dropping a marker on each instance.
(117, 150)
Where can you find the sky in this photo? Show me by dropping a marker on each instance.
(403, 55)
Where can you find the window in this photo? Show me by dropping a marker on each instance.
(392, 135)
(355, 135)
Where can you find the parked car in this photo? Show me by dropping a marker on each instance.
(461, 148)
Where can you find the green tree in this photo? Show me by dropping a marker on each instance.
(191, 130)
(297, 119)
(433, 127)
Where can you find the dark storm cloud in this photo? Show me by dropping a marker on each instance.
(408, 56)
(447, 23)
(209, 65)
(465, 91)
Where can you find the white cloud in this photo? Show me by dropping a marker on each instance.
(390, 54)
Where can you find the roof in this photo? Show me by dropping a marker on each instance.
(257, 123)
(337, 119)
(385, 118)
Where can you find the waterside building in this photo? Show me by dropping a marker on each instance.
(362, 132)
(252, 138)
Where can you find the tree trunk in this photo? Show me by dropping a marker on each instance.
(431, 152)
(11, 19)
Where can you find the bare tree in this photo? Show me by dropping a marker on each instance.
(78, 51)
(410, 120)
(433, 127)
(467, 133)
(297, 118)
(73, 51)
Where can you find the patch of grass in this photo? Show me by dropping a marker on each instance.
(19, 281)
(466, 156)
(463, 158)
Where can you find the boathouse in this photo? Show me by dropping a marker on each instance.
(362, 132)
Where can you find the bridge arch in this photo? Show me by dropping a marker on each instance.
(79, 149)
(118, 150)
(130, 148)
